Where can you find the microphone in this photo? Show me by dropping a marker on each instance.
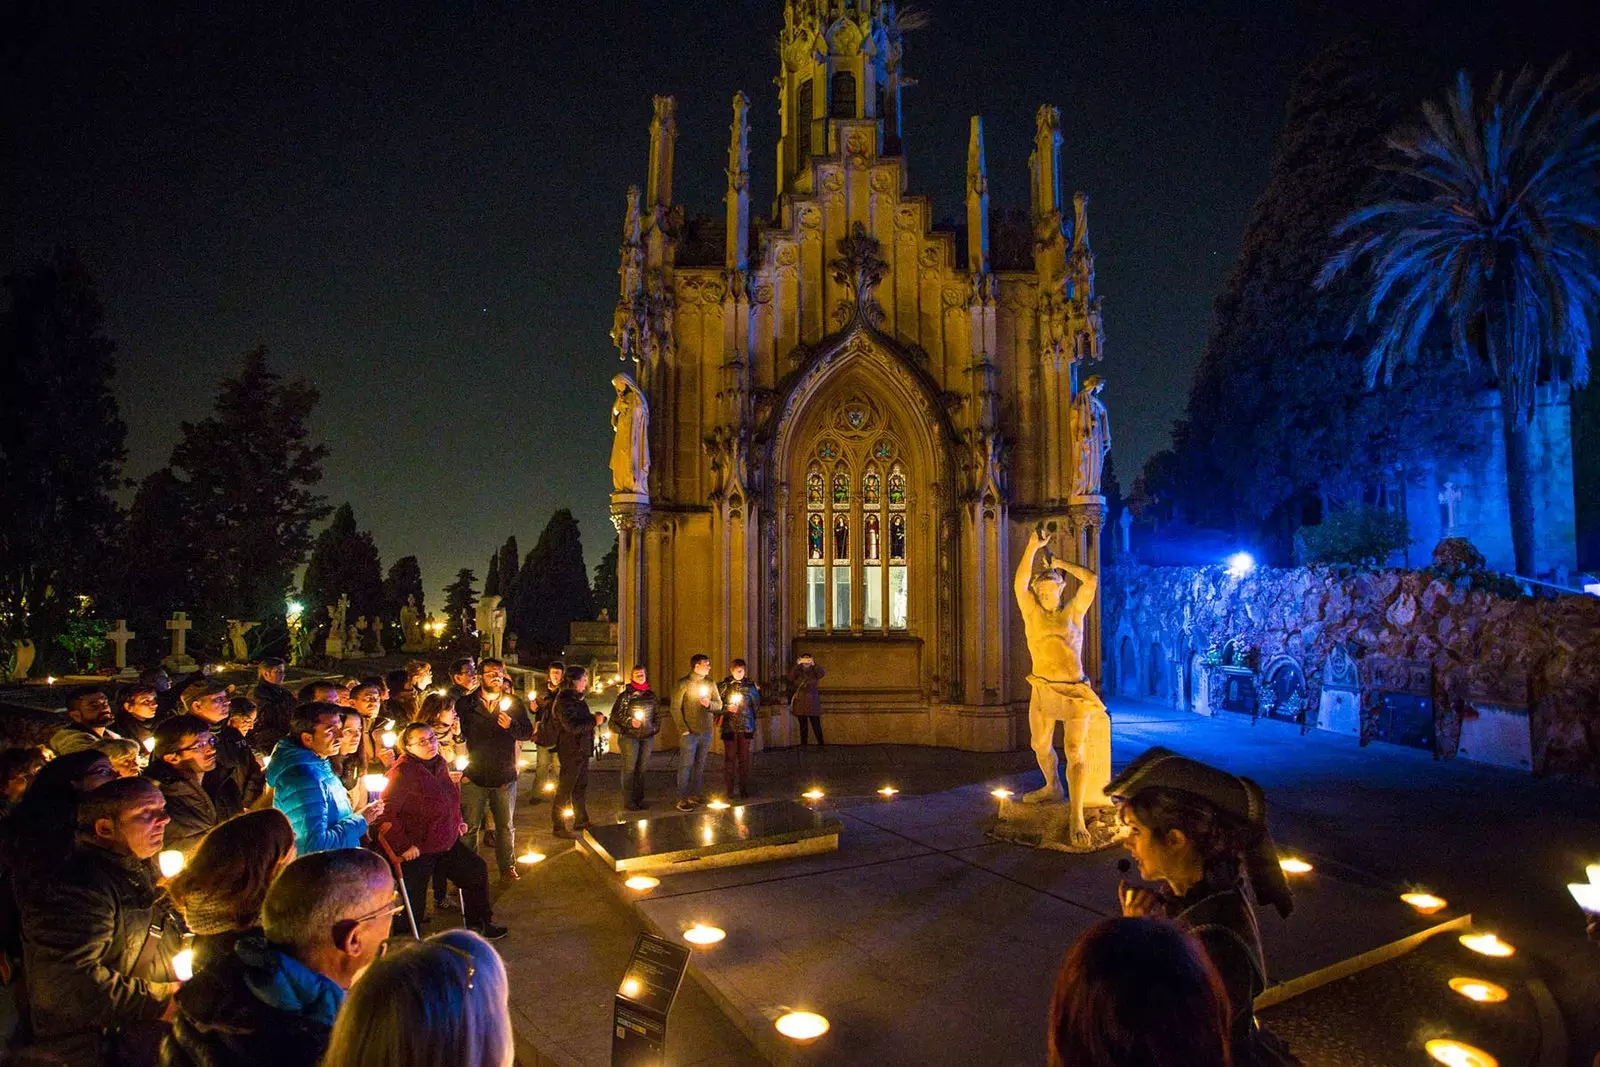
(1124, 865)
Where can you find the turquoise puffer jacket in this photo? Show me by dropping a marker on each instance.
(305, 789)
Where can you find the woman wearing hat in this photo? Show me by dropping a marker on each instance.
(1203, 832)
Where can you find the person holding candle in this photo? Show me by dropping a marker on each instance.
(634, 718)
(575, 725)
(99, 938)
(306, 789)
(136, 712)
(805, 700)
(546, 762)
(1203, 832)
(741, 699)
(422, 824)
(494, 723)
(234, 750)
(695, 705)
(221, 888)
(367, 698)
(185, 752)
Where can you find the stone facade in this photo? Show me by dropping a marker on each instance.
(855, 416)
(1508, 679)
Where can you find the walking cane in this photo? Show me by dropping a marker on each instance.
(399, 876)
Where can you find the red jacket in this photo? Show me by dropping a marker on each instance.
(421, 806)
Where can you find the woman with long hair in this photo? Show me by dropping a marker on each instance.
(427, 1003)
(1203, 832)
(220, 890)
(1138, 993)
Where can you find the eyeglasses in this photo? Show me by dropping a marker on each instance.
(388, 911)
(203, 741)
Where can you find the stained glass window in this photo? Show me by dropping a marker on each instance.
(814, 489)
(897, 487)
(840, 574)
(841, 489)
(871, 489)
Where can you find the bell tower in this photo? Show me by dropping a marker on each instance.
(840, 60)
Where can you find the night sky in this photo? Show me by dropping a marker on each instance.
(418, 206)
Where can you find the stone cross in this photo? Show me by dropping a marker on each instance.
(1450, 496)
(120, 637)
(179, 624)
(1126, 522)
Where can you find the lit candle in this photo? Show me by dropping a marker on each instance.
(888, 791)
(1001, 794)
(719, 804)
(461, 763)
(183, 965)
(150, 744)
(567, 813)
(641, 883)
(530, 858)
(522, 764)
(1478, 990)
(170, 861)
(813, 794)
(1425, 903)
(801, 1026)
(266, 761)
(1487, 945)
(505, 703)
(374, 783)
(703, 935)
(1458, 1054)
(548, 787)
(50, 679)
(389, 739)
(631, 987)
(736, 698)
(1290, 865)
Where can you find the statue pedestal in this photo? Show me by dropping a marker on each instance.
(1078, 499)
(1047, 825)
(179, 664)
(625, 500)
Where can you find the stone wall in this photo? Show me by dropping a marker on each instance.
(1485, 659)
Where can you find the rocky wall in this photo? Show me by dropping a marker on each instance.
(1484, 647)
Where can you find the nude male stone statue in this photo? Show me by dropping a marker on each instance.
(1053, 623)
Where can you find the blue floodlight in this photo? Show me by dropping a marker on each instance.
(1240, 564)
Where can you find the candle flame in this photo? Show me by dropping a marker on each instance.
(1479, 990)
(1487, 945)
(170, 861)
(1458, 1054)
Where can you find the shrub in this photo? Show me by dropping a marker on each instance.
(1361, 535)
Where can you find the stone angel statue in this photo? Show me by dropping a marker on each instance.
(630, 448)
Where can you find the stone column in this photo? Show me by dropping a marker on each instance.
(1086, 516)
(630, 514)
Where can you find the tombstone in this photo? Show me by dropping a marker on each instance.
(377, 634)
(1339, 707)
(1397, 702)
(180, 660)
(23, 662)
(1449, 497)
(1495, 725)
(120, 638)
(1283, 692)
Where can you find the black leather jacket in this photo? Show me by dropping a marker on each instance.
(84, 937)
(636, 713)
(738, 716)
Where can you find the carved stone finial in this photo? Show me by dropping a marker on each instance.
(861, 267)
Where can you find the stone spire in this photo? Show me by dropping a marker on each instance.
(1046, 164)
(977, 202)
(738, 196)
(663, 141)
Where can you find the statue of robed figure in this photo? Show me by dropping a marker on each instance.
(630, 447)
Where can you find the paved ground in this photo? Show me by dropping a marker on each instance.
(1495, 842)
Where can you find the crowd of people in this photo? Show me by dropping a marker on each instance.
(314, 828)
(195, 876)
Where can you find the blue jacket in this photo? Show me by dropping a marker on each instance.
(305, 789)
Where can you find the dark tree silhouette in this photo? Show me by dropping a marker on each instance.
(61, 450)
(460, 598)
(552, 588)
(1492, 228)
(344, 561)
(491, 579)
(507, 562)
(404, 579)
(605, 581)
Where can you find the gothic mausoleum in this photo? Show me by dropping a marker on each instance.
(848, 419)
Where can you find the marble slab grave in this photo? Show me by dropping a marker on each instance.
(751, 833)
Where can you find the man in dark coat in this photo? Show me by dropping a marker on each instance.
(185, 752)
(237, 779)
(805, 699)
(272, 1001)
(91, 717)
(546, 764)
(494, 723)
(575, 725)
(99, 937)
(136, 713)
(275, 705)
(636, 718)
(741, 699)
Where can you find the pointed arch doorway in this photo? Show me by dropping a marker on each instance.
(863, 537)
